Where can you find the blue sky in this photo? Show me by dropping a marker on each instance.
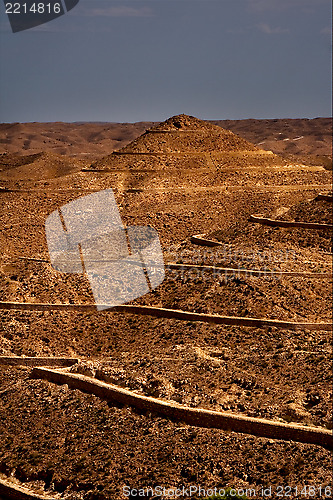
(138, 60)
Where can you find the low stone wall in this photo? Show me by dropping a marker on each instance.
(198, 239)
(37, 361)
(281, 223)
(325, 197)
(11, 491)
(192, 416)
(248, 273)
(160, 312)
(221, 271)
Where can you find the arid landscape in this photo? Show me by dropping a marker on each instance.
(253, 356)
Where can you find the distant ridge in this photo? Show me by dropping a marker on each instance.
(91, 141)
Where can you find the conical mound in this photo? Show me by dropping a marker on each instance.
(187, 135)
(199, 144)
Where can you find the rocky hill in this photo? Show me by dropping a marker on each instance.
(186, 142)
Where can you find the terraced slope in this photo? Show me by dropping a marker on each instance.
(186, 142)
(186, 134)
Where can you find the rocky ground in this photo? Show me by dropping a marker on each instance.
(193, 178)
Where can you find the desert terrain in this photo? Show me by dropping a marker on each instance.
(201, 185)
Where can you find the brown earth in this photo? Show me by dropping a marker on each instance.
(83, 140)
(183, 177)
(307, 138)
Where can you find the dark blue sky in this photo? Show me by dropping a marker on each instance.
(127, 61)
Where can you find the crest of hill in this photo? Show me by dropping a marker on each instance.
(187, 135)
